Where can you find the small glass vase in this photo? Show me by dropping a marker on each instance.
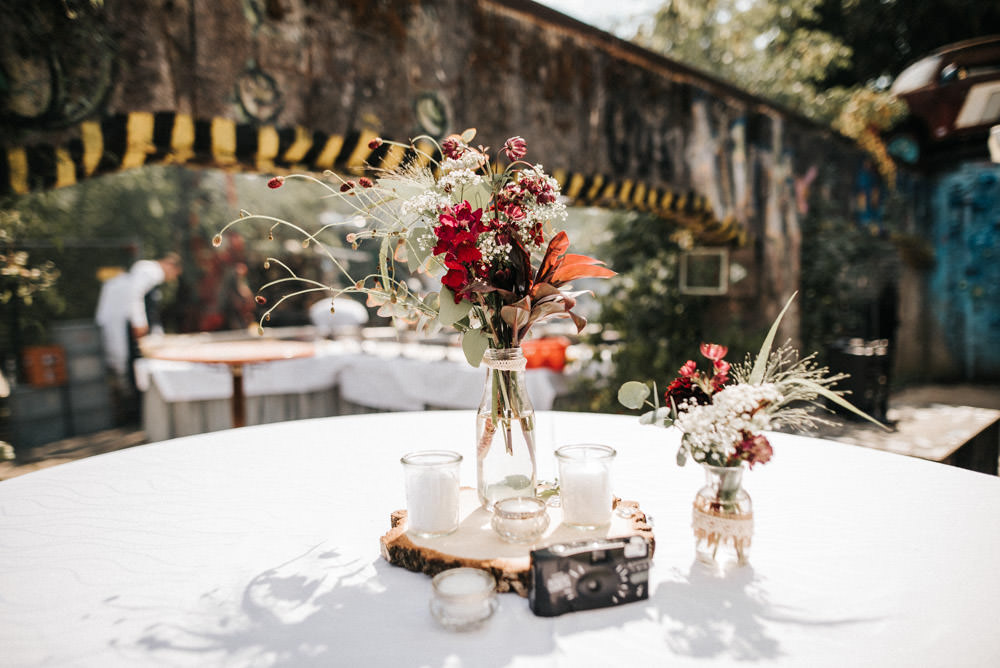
(505, 430)
(722, 518)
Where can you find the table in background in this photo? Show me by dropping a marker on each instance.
(235, 355)
(260, 547)
(342, 377)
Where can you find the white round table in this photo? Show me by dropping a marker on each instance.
(260, 547)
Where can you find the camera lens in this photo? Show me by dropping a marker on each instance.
(596, 585)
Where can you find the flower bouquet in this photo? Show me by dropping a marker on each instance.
(486, 232)
(722, 415)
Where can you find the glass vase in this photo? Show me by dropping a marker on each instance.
(505, 430)
(722, 518)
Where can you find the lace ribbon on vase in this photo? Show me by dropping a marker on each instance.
(717, 528)
(516, 364)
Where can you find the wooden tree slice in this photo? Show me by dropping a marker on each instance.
(476, 545)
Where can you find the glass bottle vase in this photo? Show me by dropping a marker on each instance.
(722, 518)
(505, 430)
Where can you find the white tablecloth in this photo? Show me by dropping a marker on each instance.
(259, 547)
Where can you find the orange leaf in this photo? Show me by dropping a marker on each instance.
(580, 266)
(550, 263)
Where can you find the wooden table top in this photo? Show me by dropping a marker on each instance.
(235, 352)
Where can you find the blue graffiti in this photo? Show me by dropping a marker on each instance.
(965, 284)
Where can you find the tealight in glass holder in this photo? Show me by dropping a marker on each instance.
(432, 492)
(585, 485)
(520, 519)
(463, 598)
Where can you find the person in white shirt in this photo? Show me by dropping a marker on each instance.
(122, 312)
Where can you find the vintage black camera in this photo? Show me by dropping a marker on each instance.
(589, 574)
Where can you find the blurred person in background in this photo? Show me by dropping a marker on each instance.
(128, 309)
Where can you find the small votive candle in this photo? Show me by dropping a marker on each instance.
(585, 485)
(432, 492)
(520, 519)
(463, 598)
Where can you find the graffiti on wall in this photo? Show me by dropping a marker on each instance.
(965, 283)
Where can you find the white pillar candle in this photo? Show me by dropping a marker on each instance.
(432, 492)
(585, 484)
(585, 494)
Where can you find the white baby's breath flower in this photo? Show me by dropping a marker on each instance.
(456, 180)
(714, 430)
(426, 205)
(492, 250)
(470, 160)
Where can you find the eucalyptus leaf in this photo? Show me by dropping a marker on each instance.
(474, 345)
(403, 189)
(835, 398)
(633, 394)
(428, 326)
(648, 418)
(478, 196)
(681, 456)
(660, 416)
(449, 312)
(760, 364)
(469, 135)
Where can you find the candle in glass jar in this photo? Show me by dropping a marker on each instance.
(520, 519)
(432, 492)
(585, 485)
(463, 598)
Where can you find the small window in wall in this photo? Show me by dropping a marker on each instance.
(705, 271)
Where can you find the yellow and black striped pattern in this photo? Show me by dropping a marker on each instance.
(126, 141)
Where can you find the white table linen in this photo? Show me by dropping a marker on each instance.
(259, 547)
(184, 398)
(409, 384)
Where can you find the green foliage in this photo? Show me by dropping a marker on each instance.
(28, 295)
(101, 224)
(105, 222)
(658, 328)
(771, 49)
